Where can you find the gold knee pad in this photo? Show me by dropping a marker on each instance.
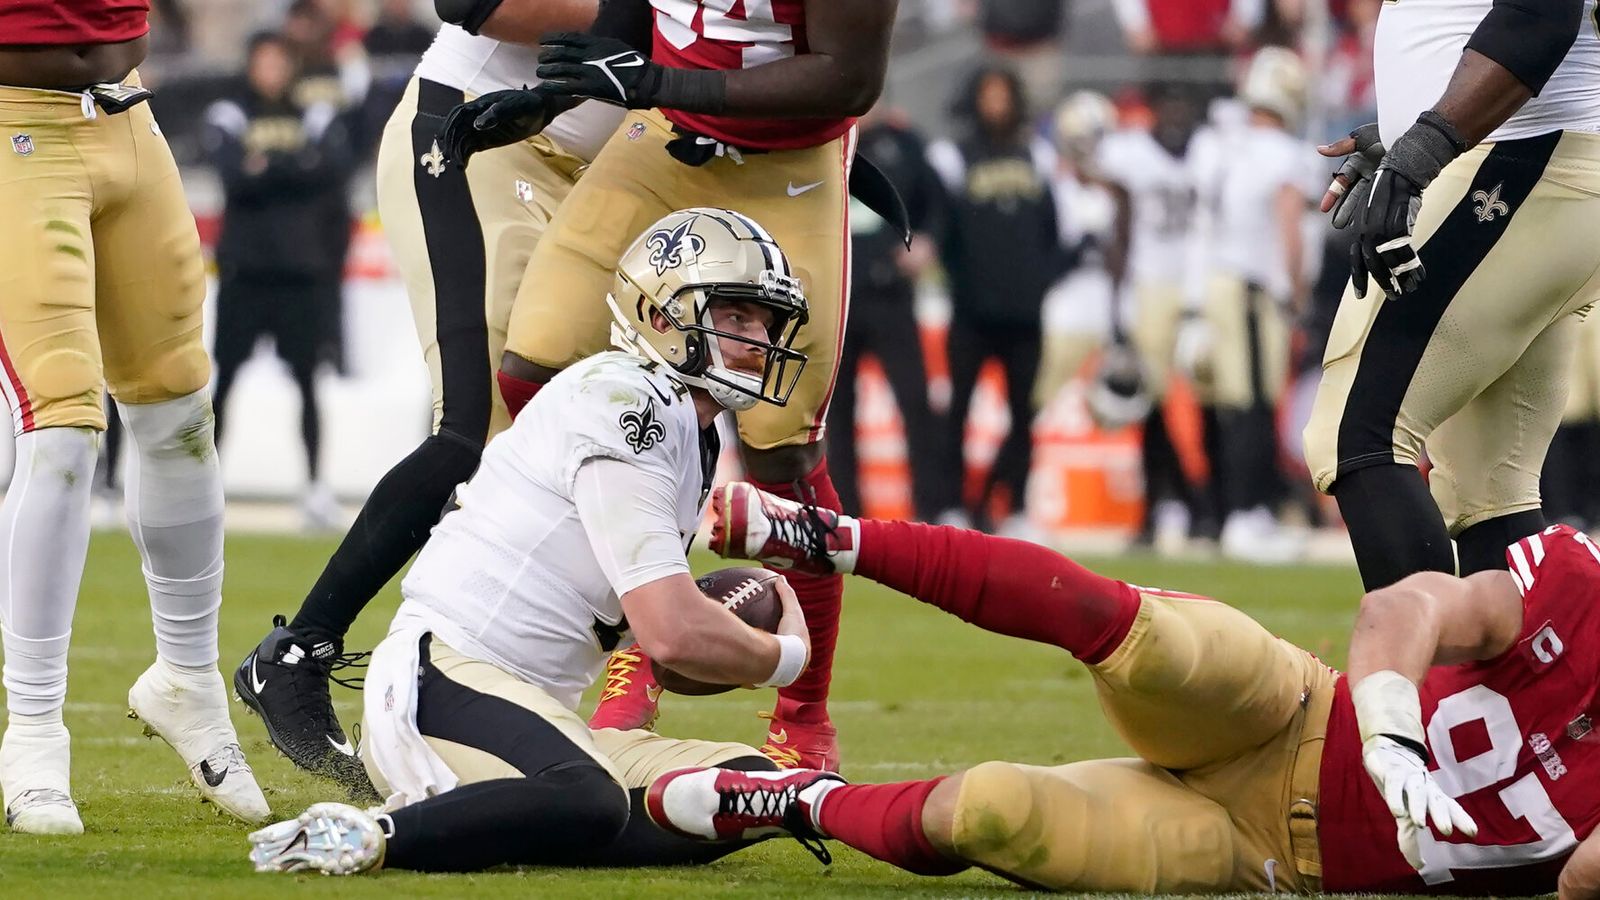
(998, 823)
(176, 373)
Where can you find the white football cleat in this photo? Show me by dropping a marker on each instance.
(190, 712)
(35, 759)
(749, 523)
(729, 805)
(331, 838)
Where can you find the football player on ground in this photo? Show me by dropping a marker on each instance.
(1468, 704)
(746, 107)
(1255, 200)
(461, 240)
(571, 535)
(102, 286)
(1477, 227)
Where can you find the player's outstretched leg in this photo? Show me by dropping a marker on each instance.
(174, 508)
(1102, 825)
(1010, 587)
(44, 524)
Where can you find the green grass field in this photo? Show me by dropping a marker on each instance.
(916, 693)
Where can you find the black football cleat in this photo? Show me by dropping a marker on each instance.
(285, 682)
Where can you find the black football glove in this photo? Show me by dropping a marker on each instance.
(1353, 181)
(1383, 249)
(598, 68)
(496, 119)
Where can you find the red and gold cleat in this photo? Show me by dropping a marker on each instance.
(631, 695)
(801, 745)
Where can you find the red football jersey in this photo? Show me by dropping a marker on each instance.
(737, 34)
(1512, 740)
(73, 21)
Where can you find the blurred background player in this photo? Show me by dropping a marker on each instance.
(1250, 750)
(274, 157)
(1079, 308)
(1476, 229)
(883, 325)
(461, 239)
(102, 289)
(1255, 196)
(1000, 246)
(751, 109)
(570, 538)
(1155, 169)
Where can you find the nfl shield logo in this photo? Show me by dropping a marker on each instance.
(22, 144)
(636, 131)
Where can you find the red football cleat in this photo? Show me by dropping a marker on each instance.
(749, 523)
(801, 745)
(729, 805)
(630, 697)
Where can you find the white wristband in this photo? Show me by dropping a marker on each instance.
(791, 661)
(1386, 702)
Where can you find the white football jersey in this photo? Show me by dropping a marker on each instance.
(512, 576)
(1419, 42)
(1162, 190)
(1246, 238)
(1080, 302)
(476, 65)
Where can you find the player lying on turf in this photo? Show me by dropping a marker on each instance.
(572, 533)
(1468, 703)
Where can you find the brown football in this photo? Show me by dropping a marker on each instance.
(747, 593)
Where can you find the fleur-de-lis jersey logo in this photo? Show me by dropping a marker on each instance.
(641, 428)
(1490, 204)
(666, 247)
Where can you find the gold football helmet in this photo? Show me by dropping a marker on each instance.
(682, 265)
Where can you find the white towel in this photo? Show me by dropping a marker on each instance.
(414, 772)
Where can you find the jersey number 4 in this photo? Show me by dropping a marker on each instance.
(768, 38)
(1524, 799)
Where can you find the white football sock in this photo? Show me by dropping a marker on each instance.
(174, 505)
(44, 537)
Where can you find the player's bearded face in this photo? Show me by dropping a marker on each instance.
(751, 321)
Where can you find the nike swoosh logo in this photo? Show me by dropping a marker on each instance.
(344, 748)
(664, 398)
(781, 736)
(653, 692)
(212, 777)
(1272, 875)
(256, 682)
(797, 191)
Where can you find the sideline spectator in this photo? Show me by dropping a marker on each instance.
(1001, 250)
(272, 155)
(882, 315)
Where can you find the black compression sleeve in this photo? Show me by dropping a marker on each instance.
(469, 14)
(628, 21)
(1529, 37)
(691, 90)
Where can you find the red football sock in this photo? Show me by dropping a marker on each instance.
(516, 391)
(884, 821)
(820, 596)
(1001, 585)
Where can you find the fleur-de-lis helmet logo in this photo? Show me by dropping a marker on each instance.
(667, 246)
(641, 428)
